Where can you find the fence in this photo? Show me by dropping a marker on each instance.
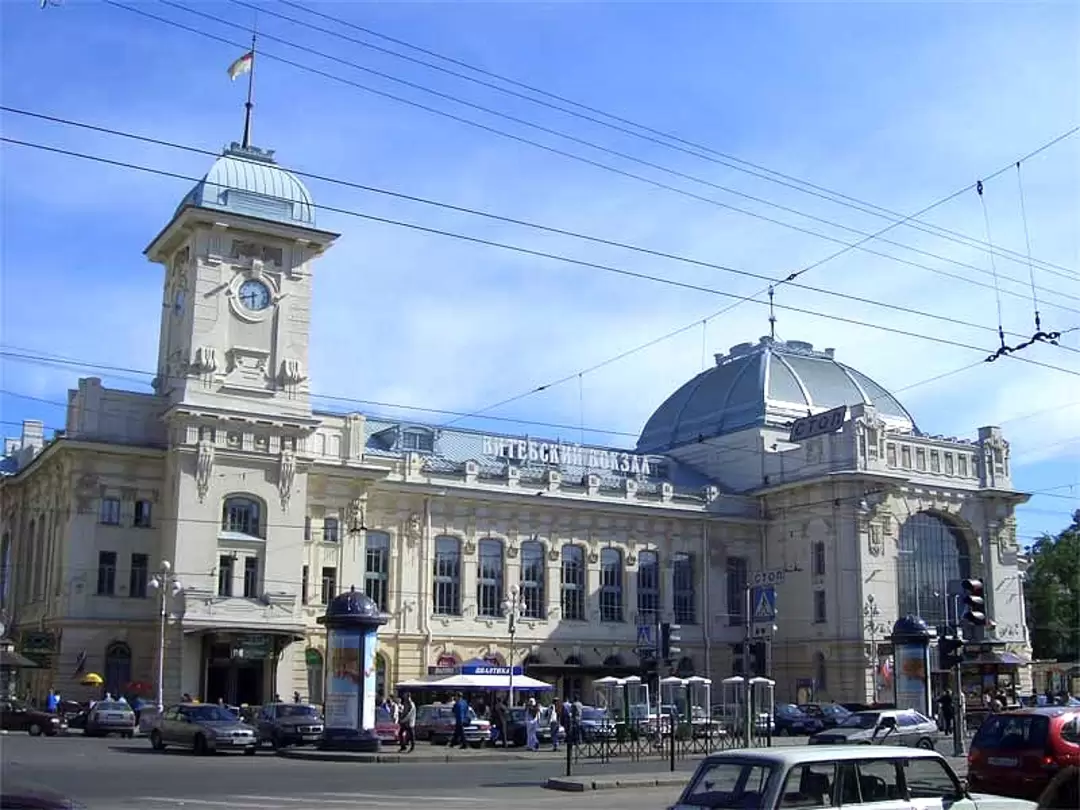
(647, 742)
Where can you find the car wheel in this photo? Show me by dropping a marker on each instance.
(784, 732)
(925, 743)
(34, 730)
(155, 740)
(200, 749)
(275, 741)
(250, 752)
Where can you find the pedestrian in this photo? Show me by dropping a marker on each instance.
(52, 703)
(407, 724)
(498, 715)
(295, 697)
(461, 717)
(532, 725)
(946, 709)
(553, 723)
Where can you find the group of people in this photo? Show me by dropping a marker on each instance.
(403, 712)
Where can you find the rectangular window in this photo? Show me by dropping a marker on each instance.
(682, 587)
(611, 585)
(573, 583)
(820, 616)
(110, 511)
(329, 584)
(225, 575)
(948, 463)
(139, 577)
(489, 579)
(532, 580)
(331, 530)
(106, 573)
(736, 589)
(920, 459)
(962, 465)
(143, 510)
(251, 577)
(648, 588)
(377, 569)
(418, 440)
(447, 577)
(819, 559)
(905, 457)
(890, 455)
(307, 529)
(935, 461)
(305, 585)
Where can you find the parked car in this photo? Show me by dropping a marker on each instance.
(385, 727)
(284, 724)
(17, 715)
(1017, 752)
(885, 777)
(439, 726)
(204, 728)
(830, 714)
(596, 724)
(889, 727)
(110, 717)
(790, 720)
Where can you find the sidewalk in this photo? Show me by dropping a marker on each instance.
(426, 753)
(580, 784)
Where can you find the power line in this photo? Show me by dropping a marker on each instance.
(654, 136)
(547, 255)
(859, 245)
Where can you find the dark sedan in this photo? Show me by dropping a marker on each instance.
(790, 720)
(15, 715)
(283, 724)
(830, 714)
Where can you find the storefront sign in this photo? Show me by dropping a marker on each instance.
(566, 455)
(489, 670)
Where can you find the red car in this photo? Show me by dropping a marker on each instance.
(1016, 753)
(385, 727)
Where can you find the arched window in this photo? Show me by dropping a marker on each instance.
(117, 668)
(380, 675)
(377, 569)
(821, 675)
(446, 599)
(532, 580)
(648, 587)
(611, 585)
(489, 578)
(313, 659)
(242, 515)
(933, 560)
(573, 583)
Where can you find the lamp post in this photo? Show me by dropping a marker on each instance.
(165, 583)
(512, 608)
(871, 612)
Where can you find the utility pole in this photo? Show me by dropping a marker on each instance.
(512, 609)
(748, 689)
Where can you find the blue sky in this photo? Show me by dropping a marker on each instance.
(896, 104)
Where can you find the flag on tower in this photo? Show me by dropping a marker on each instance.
(241, 65)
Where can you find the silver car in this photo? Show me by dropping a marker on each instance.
(204, 728)
(110, 717)
(885, 727)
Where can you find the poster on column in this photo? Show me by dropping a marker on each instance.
(912, 681)
(343, 680)
(371, 647)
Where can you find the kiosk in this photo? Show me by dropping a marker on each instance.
(911, 652)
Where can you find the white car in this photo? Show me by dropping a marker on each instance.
(878, 778)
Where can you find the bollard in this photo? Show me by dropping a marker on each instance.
(672, 742)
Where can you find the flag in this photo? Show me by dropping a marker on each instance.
(241, 65)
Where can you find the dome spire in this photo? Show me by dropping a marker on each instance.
(772, 315)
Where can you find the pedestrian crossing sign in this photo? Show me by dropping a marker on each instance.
(763, 603)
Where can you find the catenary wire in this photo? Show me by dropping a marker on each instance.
(548, 130)
(545, 255)
(536, 225)
(847, 246)
(654, 135)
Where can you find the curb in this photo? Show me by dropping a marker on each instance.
(571, 785)
(344, 756)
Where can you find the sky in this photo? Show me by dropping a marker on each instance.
(896, 105)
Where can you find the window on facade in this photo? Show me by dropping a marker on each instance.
(532, 580)
(307, 529)
(251, 577)
(243, 516)
(331, 530)
(934, 556)
(682, 588)
(329, 584)
(377, 569)
(139, 576)
(419, 440)
(143, 511)
(648, 588)
(736, 577)
(962, 465)
(489, 578)
(890, 455)
(305, 585)
(905, 457)
(920, 459)
(225, 575)
(106, 573)
(935, 461)
(447, 577)
(110, 511)
(818, 564)
(820, 616)
(611, 585)
(573, 583)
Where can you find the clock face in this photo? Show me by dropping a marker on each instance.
(254, 295)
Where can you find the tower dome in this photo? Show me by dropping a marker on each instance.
(249, 181)
(764, 385)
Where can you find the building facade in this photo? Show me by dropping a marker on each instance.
(266, 509)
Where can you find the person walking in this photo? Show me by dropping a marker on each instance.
(461, 717)
(946, 710)
(407, 724)
(553, 723)
(532, 725)
(499, 715)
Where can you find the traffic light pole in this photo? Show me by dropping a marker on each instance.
(959, 709)
(748, 689)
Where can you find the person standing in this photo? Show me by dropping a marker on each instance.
(498, 715)
(946, 710)
(407, 723)
(553, 723)
(532, 725)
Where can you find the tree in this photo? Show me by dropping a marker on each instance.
(1052, 591)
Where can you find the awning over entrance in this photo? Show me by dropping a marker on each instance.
(1008, 659)
(12, 660)
(521, 683)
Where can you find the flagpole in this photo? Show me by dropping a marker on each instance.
(248, 105)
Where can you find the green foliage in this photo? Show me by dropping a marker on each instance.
(1052, 591)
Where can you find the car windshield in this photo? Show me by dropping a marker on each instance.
(788, 710)
(209, 714)
(833, 708)
(1012, 731)
(595, 715)
(297, 710)
(728, 783)
(861, 720)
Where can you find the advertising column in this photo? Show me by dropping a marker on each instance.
(911, 675)
(343, 679)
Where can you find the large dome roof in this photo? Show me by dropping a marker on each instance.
(249, 182)
(767, 384)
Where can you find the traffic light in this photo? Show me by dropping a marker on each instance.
(950, 651)
(974, 602)
(669, 635)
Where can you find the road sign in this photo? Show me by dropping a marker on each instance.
(763, 604)
(818, 424)
(774, 577)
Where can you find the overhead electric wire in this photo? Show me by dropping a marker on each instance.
(541, 254)
(859, 245)
(649, 134)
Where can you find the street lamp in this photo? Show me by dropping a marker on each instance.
(165, 583)
(871, 612)
(512, 608)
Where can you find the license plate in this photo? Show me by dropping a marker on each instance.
(240, 741)
(1002, 762)
(310, 737)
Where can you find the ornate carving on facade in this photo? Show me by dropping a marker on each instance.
(594, 558)
(553, 553)
(631, 560)
(86, 490)
(469, 548)
(204, 466)
(203, 361)
(291, 373)
(511, 551)
(286, 475)
(711, 493)
(876, 543)
(414, 529)
(356, 514)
